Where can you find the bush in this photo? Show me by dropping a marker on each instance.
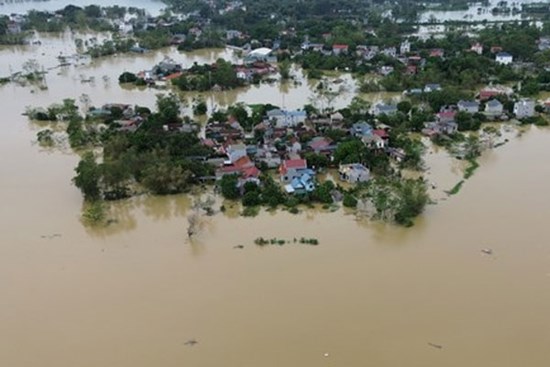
(350, 201)
(127, 77)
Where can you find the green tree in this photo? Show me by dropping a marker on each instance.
(284, 69)
(87, 177)
(228, 185)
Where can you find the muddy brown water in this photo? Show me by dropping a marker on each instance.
(134, 293)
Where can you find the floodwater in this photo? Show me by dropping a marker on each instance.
(153, 7)
(475, 13)
(370, 294)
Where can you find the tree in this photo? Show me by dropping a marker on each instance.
(284, 69)
(87, 177)
(168, 109)
(228, 185)
(127, 77)
(404, 106)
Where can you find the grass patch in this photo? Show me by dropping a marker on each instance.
(456, 188)
(469, 171)
(251, 211)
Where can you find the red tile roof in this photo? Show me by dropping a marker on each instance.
(381, 133)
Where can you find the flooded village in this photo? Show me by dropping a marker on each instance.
(181, 278)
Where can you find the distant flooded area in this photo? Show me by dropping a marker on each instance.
(139, 293)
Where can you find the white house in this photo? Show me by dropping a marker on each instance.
(504, 58)
(493, 108)
(283, 118)
(385, 109)
(524, 108)
(477, 48)
(354, 172)
(405, 47)
(468, 106)
(260, 54)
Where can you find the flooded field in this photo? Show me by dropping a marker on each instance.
(154, 7)
(137, 293)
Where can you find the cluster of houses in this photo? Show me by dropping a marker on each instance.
(168, 69)
(286, 138)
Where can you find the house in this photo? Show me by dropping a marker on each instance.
(405, 47)
(13, 27)
(437, 52)
(504, 58)
(235, 151)
(293, 168)
(477, 48)
(493, 108)
(384, 109)
(283, 118)
(301, 184)
(496, 49)
(232, 34)
(431, 88)
(243, 167)
(446, 116)
(320, 144)
(340, 49)
(397, 153)
(411, 70)
(524, 108)
(390, 52)
(544, 44)
(336, 118)
(374, 141)
(262, 54)
(386, 70)
(468, 106)
(440, 127)
(353, 173)
(360, 129)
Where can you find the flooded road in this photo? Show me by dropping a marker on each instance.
(134, 293)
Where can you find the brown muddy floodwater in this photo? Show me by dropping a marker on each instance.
(132, 294)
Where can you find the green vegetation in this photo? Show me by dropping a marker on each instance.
(260, 241)
(469, 171)
(456, 188)
(398, 200)
(204, 77)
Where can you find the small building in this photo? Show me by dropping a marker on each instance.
(374, 141)
(431, 88)
(405, 47)
(360, 129)
(504, 58)
(301, 184)
(386, 70)
(390, 52)
(292, 169)
(384, 109)
(437, 52)
(477, 48)
(468, 106)
(262, 54)
(235, 151)
(524, 108)
(493, 108)
(283, 118)
(338, 49)
(353, 173)
(320, 144)
(232, 34)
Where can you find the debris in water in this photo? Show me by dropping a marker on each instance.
(238, 247)
(487, 251)
(191, 342)
(437, 346)
(325, 355)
